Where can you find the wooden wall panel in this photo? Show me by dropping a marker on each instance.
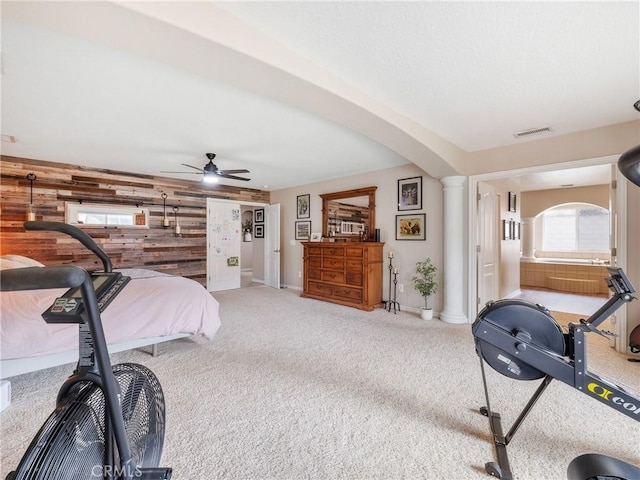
(154, 248)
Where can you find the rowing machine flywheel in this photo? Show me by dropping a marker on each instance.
(523, 320)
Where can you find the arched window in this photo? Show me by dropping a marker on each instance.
(577, 227)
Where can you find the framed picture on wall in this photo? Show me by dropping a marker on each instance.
(410, 193)
(303, 206)
(259, 232)
(512, 202)
(259, 212)
(303, 230)
(411, 227)
(506, 229)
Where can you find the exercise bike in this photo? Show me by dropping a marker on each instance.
(521, 340)
(108, 421)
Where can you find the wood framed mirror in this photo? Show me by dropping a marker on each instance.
(349, 215)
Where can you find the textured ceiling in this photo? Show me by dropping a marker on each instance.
(299, 92)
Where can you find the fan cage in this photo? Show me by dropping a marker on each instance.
(71, 443)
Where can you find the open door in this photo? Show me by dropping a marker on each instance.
(224, 237)
(272, 246)
(487, 246)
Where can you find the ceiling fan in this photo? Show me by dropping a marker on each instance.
(211, 172)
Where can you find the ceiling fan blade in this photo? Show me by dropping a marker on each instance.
(226, 172)
(191, 166)
(232, 177)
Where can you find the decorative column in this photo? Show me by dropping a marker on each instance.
(527, 233)
(454, 250)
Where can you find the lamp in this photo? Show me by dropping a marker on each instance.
(31, 216)
(175, 216)
(210, 178)
(165, 220)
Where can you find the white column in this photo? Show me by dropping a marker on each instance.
(454, 250)
(527, 232)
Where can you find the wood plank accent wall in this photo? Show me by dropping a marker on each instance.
(154, 248)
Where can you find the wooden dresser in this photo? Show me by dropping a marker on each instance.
(348, 273)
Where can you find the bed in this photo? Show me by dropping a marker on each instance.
(152, 308)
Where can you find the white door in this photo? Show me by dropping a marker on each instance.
(272, 246)
(487, 246)
(224, 240)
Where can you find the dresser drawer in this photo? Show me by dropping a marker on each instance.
(354, 265)
(320, 288)
(332, 276)
(346, 292)
(335, 263)
(354, 252)
(314, 274)
(354, 278)
(314, 250)
(315, 262)
(334, 252)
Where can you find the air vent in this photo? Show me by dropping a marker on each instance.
(532, 131)
(8, 138)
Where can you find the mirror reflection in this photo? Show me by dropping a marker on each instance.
(349, 215)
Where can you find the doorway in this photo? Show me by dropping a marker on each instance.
(235, 259)
(528, 177)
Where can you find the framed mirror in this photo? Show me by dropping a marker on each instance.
(349, 215)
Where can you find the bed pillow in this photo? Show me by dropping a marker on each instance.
(25, 261)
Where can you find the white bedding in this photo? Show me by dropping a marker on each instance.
(151, 305)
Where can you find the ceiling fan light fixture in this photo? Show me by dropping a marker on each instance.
(210, 178)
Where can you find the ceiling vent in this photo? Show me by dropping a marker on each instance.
(532, 131)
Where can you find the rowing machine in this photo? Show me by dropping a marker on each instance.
(521, 340)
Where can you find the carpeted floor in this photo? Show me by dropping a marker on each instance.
(293, 388)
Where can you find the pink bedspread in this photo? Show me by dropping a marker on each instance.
(149, 306)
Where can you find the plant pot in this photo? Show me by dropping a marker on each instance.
(426, 313)
(247, 237)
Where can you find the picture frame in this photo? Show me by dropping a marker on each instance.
(410, 194)
(259, 231)
(259, 215)
(506, 229)
(316, 237)
(303, 230)
(411, 226)
(303, 206)
(516, 230)
(512, 202)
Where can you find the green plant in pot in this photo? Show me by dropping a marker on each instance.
(425, 283)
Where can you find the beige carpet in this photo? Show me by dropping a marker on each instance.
(294, 388)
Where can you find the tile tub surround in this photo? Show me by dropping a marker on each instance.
(565, 277)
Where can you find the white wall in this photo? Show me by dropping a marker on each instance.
(407, 253)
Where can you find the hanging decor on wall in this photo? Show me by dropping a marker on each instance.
(31, 215)
(175, 217)
(165, 220)
(410, 194)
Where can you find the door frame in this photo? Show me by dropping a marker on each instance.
(472, 270)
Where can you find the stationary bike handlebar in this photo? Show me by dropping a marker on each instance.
(74, 232)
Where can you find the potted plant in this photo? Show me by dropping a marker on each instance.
(425, 283)
(247, 227)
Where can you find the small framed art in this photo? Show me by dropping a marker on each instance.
(259, 213)
(410, 193)
(316, 237)
(303, 204)
(259, 233)
(411, 227)
(506, 229)
(512, 202)
(303, 230)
